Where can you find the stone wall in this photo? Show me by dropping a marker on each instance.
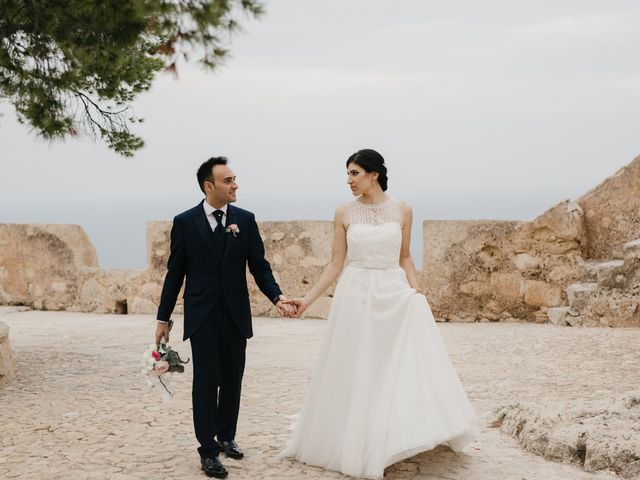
(500, 270)
(54, 267)
(297, 251)
(612, 212)
(548, 269)
(575, 264)
(610, 297)
(40, 265)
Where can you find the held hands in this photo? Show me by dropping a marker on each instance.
(291, 307)
(298, 305)
(284, 308)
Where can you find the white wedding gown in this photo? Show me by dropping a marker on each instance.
(383, 388)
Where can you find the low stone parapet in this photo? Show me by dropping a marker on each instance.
(596, 435)
(6, 360)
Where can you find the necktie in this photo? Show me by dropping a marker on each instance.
(218, 215)
(218, 235)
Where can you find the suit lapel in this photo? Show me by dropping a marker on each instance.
(204, 229)
(231, 219)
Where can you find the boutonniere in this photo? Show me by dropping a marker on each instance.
(233, 228)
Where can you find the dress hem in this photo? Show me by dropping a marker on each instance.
(460, 439)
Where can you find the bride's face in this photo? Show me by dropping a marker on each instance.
(359, 180)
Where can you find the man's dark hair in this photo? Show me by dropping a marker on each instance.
(205, 172)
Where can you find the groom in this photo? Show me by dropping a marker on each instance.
(211, 245)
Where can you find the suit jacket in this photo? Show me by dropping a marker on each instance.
(193, 256)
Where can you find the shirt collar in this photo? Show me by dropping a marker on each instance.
(208, 209)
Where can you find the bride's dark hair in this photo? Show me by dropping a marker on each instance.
(371, 161)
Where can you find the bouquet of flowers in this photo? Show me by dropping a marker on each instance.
(158, 362)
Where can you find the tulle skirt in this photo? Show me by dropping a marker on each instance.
(383, 388)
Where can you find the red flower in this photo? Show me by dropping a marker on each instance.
(156, 355)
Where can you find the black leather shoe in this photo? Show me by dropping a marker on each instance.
(213, 468)
(231, 449)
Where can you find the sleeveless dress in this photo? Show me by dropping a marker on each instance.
(383, 388)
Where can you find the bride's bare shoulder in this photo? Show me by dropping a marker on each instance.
(405, 207)
(342, 210)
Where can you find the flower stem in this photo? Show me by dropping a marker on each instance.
(165, 387)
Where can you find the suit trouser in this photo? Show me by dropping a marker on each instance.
(218, 351)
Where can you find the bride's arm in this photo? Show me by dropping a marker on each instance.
(406, 262)
(338, 254)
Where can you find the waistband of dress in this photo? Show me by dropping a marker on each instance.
(374, 265)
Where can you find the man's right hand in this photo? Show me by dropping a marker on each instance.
(162, 330)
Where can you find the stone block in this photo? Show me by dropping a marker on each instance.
(601, 271)
(142, 306)
(632, 249)
(560, 230)
(538, 293)
(558, 315)
(578, 292)
(507, 285)
(475, 288)
(7, 367)
(526, 263)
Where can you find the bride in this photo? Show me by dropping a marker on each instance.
(383, 388)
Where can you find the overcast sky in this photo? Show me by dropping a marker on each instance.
(482, 109)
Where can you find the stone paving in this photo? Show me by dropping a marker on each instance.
(78, 407)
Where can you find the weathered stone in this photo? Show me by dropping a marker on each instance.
(109, 291)
(602, 270)
(303, 250)
(608, 308)
(578, 292)
(495, 308)
(540, 316)
(142, 305)
(558, 315)
(524, 266)
(462, 253)
(320, 308)
(565, 274)
(7, 366)
(558, 231)
(526, 263)
(508, 285)
(631, 250)
(40, 264)
(594, 435)
(612, 212)
(540, 294)
(475, 288)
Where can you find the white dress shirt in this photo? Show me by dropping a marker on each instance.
(208, 210)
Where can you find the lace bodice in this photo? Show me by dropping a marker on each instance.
(374, 213)
(374, 235)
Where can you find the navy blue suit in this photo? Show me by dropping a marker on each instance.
(217, 313)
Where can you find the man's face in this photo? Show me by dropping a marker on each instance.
(224, 188)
